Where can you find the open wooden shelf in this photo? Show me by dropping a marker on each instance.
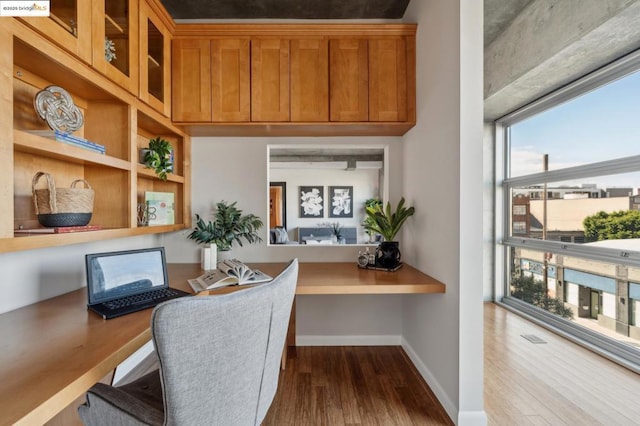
(34, 144)
(30, 242)
(143, 171)
(113, 117)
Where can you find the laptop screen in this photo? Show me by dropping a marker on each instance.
(122, 273)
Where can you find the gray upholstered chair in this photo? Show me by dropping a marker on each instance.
(219, 361)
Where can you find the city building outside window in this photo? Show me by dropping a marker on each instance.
(569, 226)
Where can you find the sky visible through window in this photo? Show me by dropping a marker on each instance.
(601, 125)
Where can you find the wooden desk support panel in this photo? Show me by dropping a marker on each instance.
(51, 352)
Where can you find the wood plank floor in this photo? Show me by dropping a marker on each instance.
(555, 383)
(348, 385)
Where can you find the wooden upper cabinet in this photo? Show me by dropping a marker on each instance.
(387, 80)
(269, 80)
(116, 21)
(349, 79)
(305, 79)
(309, 80)
(191, 85)
(155, 60)
(69, 26)
(230, 76)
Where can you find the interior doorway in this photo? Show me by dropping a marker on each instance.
(277, 204)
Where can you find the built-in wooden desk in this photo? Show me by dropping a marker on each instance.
(51, 352)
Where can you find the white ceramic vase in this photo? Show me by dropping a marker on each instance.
(209, 259)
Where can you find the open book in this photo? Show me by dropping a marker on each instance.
(229, 272)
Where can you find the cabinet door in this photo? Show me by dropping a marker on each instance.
(231, 87)
(155, 61)
(269, 80)
(309, 80)
(69, 25)
(191, 84)
(387, 80)
(116, 22)
(349, 79)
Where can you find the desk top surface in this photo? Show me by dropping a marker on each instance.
(51, 352)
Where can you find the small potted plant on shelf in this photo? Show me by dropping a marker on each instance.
(229, 226)
(158, 156)
(336, 230)
(387, 223)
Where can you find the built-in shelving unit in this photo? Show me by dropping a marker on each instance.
(114, 116)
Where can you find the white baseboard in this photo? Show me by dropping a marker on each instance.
(435, 386)
(472, 418)
(385, 340)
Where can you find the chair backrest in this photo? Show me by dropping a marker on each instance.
(216, 352)
(283, 294)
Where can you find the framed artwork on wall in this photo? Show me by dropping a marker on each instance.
(341, 201)
(311, 201)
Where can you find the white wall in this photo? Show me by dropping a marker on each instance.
(365, 186)
(443, 180)
(235, 169)
(488, 217)
(34, 275)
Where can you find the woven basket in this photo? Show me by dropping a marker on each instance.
(62, 206)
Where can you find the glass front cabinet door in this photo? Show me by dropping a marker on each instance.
(69, 26)
(115, 41)
(155, 60)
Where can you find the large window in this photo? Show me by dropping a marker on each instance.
(569, 216)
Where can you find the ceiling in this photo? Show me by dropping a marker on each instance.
(498, 14)
(286, 9)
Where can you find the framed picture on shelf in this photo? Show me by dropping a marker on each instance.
(341, 198)
(160, 208)
(311, 201)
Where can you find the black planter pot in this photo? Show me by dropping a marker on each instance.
(388, 254)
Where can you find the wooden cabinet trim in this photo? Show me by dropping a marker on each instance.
(293, 30)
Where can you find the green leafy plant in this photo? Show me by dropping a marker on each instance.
(534, 292)
(368, 222)
(158, 157)
(385, 222)
(618, 225)
(229, 225)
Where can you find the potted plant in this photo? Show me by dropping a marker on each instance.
(336, 230)
(387, 223)
(229, 225)
(158, 157)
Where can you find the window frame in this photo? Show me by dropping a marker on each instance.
(504, 238)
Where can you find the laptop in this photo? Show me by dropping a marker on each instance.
(122, 282)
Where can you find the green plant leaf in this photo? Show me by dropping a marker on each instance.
(385, 222)
(158, 157)
(229, 226)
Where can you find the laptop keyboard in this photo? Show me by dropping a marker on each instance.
(136, 299)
